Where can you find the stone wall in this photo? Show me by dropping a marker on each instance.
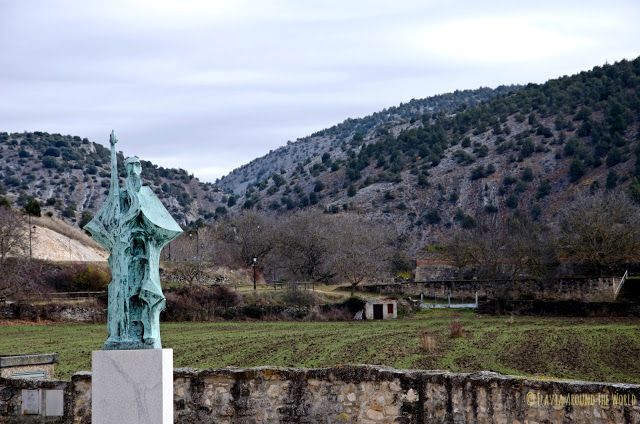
(52, 311)
(566, 308)
(15, 365)
(580, 289)
(355, 394)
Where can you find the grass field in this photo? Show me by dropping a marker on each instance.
(589, 348)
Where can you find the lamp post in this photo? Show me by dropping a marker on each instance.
(197, 242)
(30, 236)
(254, 272)
(32, 231)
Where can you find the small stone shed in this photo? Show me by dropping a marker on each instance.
(39, 366)
(381, 309)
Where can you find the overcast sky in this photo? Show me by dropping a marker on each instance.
(209, 85)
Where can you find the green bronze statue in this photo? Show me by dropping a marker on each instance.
(133, 226)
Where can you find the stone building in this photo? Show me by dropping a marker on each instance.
(381, 309)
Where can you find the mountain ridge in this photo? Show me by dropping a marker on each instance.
(69, 176)
(428, 166)
(529, 151)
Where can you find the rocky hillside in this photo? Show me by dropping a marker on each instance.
(69, 176)
(429, 168)
(308, 151)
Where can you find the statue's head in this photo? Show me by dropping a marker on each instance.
(133, 167)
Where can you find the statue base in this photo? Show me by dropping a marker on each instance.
(131, 345)
(132, 386)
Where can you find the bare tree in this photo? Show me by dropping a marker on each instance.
(507, 247)
(247, 236)
(601, 230)
(304, 245)
(13, 233)
(361, 250)
(13, 244)
(530, 248)
(189, 272)
(481, 247)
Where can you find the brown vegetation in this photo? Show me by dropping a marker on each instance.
(597, 233)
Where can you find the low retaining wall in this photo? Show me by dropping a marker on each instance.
(353, 394)
(567, 308)
(574, 288)
(53, 312)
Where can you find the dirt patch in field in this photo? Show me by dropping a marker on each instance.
(540, 352)
(621, 353)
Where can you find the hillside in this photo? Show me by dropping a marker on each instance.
(427, 166)
(529, 150)
(306, 152)
(69, 176)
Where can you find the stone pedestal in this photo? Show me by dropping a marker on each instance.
(132, 386)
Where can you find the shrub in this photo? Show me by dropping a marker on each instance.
(432, 217)
(477, 173)
(79, 277)
(614, 157)
(353, 304)
(49, 162)
(543, 189)
(194, 303)
(456, 329)
(527, 174)
(576, 170)
(297, 297)
(512, 201)
(52, 151)
(427, 341)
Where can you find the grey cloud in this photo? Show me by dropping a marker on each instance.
(208, 86)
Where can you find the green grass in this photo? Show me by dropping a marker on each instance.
(589, 348)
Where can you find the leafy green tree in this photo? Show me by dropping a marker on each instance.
(432, 217)
(612, 180)
(527, 174)
(634, 190)
(32, 207)
(614, 157)
(512, 201)
(85, 218)
(49, 162)
(543, 189)
(576, 170)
